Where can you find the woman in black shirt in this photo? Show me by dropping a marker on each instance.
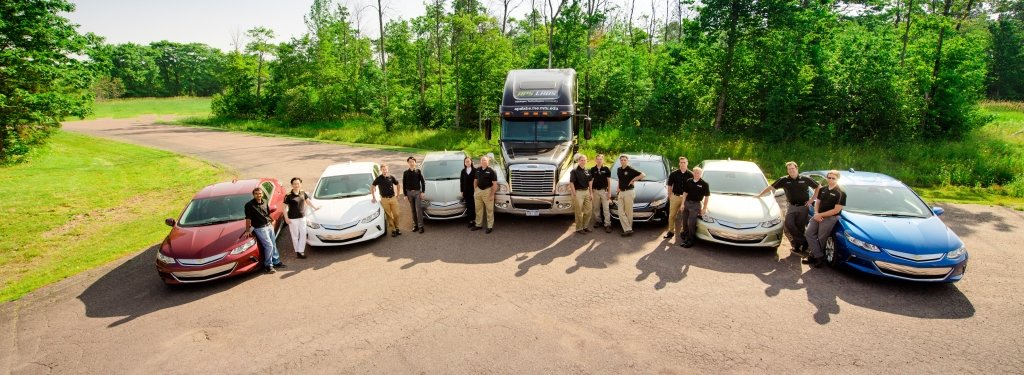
(466, 187)
(295, 204)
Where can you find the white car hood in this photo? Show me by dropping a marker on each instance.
(742, 209)
(441, 191)
(343, 211)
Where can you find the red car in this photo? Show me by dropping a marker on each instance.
(205, 242)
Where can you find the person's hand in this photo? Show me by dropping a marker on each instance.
(422, 195)
(373, 200)
(286, 221)
(818, 218)
(703, 212)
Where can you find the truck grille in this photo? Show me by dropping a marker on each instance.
(533, 182)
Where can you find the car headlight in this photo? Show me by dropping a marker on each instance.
(313, 224)
(562, 189)
(658, 203)
(861, 244)
(426, 203)
(707, 219)
(503, 188)
(370, 217)
(771, 223)
(957, 253)
(164, 259)
(243, 247)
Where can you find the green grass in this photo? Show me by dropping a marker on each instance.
(127, 108)
(80, 202)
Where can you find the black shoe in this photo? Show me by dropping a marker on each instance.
(598, 224)
(476, 228)
(398, 232)
(627, 233)
(394, 233)
(471, 224)
(812, 261)
(280, 265)
(269, 270)
(488, 231)
(687, 244)
(421, 230)
(669, 235)
(301, 255)
(415, 229)
(608, 229)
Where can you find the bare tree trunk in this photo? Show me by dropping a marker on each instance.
(899, 13)
(730, 43)
(906, 32)
(383, 67)
(552, 15)
(930, 95)
(629, 25)
(507, 8)
(967, 13)
(650, 28)
(679, 20)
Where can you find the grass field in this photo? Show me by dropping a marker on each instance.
(126, 108)
(81, 202)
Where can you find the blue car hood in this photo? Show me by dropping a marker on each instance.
(910, 235)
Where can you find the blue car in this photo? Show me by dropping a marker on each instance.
(887, 230)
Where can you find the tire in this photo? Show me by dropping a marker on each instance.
(831, 257)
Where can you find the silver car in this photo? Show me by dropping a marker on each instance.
(442, 200)
(737, 215)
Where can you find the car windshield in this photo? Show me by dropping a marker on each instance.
(653, 169)
(440, 170)
(735, 183)
(214, 210)
(349, 185)
(536, 130)
(897, 201)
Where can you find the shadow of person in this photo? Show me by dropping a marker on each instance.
(669, 263)
(603, 252)
(133, 289)
(316, 257)
(785, 275)
(826, 287)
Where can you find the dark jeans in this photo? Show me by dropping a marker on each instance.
(691, 209)
(817, 233)
(796, 224)
(467, 197)
(416, 207)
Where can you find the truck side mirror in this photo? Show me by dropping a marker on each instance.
(487, 129)
(587, 129)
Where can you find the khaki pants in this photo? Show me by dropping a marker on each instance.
(625, 203)
(601, 211)
(583, 206)
(390, 211)
(484, 202)
(675, 219)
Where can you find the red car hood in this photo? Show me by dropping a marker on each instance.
(201, 242)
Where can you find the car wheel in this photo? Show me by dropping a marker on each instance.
(830, 252)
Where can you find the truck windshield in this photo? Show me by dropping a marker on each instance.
(536, 130)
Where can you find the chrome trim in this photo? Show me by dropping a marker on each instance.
(342, 226)
(934, 272)
(532, 179)
(733, 225)
(204, 273)
(915, 257)
(729, 236)
(203, 261)
(341, 237)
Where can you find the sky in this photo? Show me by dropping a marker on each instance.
(213, 22)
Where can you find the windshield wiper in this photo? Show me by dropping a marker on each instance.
(213, 222)
(736, 194)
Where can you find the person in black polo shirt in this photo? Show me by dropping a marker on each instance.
(257, 219)
(415, 187)
(582, 197)
(295, 204)
(386, 183)
(466, 186)
(674, 185)
(486, 187)
(798, 194)
(830, 201)
(600, 174)
(627, 177)
(695, 190)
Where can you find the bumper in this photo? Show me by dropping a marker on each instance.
(751, 237)
(357, 233)
(445, 211)
(885, 265)
(533, 206)
(231, 265)
(643, 214)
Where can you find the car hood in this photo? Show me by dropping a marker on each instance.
(205, 241)
(646, 191)
(443, 191)
(343, 210)
(742, 209)
(912, 235)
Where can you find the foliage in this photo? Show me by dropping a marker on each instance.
(160, 69)
(40, 81)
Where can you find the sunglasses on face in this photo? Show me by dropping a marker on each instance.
(830, 178)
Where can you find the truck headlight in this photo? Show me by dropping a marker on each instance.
(562, 189)
(164, 259)
(861, 244)
(502, 188)
(242, 247)
(370, 217)
(771, 223)
(957, 253)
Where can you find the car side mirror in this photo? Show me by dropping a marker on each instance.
(487, 129)
(273, 208)
(588, 131)
(938, 211)
(779, 192)
(169, 222)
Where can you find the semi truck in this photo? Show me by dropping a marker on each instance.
(538, 135)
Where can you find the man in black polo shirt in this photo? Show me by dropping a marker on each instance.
(257, 219)
(830, 202)
(582, 198)
(627, 177)
(675, 196)
(415, 187)
(695, 190)
(600, 174)
(386, 183)
(486, 187)
(798, 194)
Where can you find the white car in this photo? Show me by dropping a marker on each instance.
(347, 213)
(441, 170)
(736, 214)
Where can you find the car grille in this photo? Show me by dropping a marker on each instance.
(344, 237)
(340, 227)
(910, 272)
(915, 257)
(533, 182)
(203, 261)
(736, 237)
(442, 212)
(204, 275)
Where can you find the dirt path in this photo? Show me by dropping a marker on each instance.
(529, 298)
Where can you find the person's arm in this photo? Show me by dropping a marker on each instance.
(423, 183)
(704, 207)
(637, 178)
(572, 184)
(248, 229)
(373, 193)
(285, 215)
(814, 185)
(307, 202)
(398, 184)
(833, 212)
(682, 206)
(766, 190)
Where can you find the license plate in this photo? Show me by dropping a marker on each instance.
(532, 213)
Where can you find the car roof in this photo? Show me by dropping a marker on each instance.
(643, 157)
(853, 178)
(348, 168)
(227, 188)
(445, 155)
(730, 165)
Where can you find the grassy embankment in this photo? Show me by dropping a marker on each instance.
(946, 171)
(125, 108)
(80, 202)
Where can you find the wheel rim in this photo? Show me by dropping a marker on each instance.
(830, 249)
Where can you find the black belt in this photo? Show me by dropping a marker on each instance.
(583, 189)
(626, 189)
(678, 195)
(795, 204)
(389, 196)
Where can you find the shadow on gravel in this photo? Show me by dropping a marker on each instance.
(963, 222)
(671, 262)
(133, 289)
(826, 286)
